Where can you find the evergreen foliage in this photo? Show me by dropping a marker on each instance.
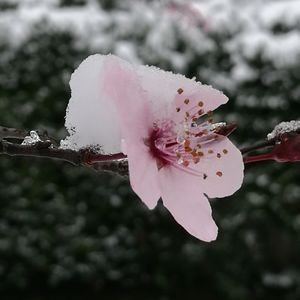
(67, 231)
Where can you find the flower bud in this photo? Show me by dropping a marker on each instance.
(288, 148)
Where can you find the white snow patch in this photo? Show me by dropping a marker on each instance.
(283, 280)
(91, 119)
(32, 139)
(284, 127)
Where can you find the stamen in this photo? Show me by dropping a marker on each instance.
(196, 160)
(188, 149)
(179, 166)
(186, 143)
(180, 144)
(186, 101)
(180, 91)
(185, 163)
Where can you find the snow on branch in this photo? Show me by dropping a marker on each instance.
(39, 144)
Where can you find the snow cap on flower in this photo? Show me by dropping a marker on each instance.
(165, 120)
(91, 118)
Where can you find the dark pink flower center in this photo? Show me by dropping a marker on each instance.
(182, 145)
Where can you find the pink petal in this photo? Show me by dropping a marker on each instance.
(162, 88)
(183, 197)
(143, 174)
(91, 117)
(223, 170)
(197, 102)
(122, 86)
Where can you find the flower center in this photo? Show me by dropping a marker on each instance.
(188, 140)
(182, 145)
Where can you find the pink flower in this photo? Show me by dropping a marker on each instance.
(173, 153)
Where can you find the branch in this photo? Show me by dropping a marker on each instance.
(46, 149)
(20, 134)
(259, 146)
(40, 149)
(284, 140)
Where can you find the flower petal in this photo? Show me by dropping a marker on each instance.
(123, 87)
(223, 169)
(182, 196)
(143, 174)
(197, 102)
(167, 91)
(91, 117)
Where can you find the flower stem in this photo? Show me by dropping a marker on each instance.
(259, 157)
(258, 146)
(90, 158)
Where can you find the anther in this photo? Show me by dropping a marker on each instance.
(180, 91)
(178, 109)
(200, 112)
(225, 151)
(218, 155)
(186, 101)
(186, 143)
(200, 153)
(210, 151)
(196, 160)
(204, 176)
(194, 153)
(219, 173)
(185, 163)
(200, 103)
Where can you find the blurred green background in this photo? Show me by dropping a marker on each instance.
(68, 232)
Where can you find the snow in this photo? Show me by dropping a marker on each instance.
(284, 127)
(91, 120)
(250, 23)
(149, 31)
(282, 280)
(32, 139)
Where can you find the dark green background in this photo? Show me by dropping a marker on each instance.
(70, 232)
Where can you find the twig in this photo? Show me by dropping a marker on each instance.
(258, 146)
(40, 149)
(20, 134)
(47, 147)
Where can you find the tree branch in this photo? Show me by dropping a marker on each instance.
(46, 149)
(42, 145)
(20, 134)
(40, 149)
